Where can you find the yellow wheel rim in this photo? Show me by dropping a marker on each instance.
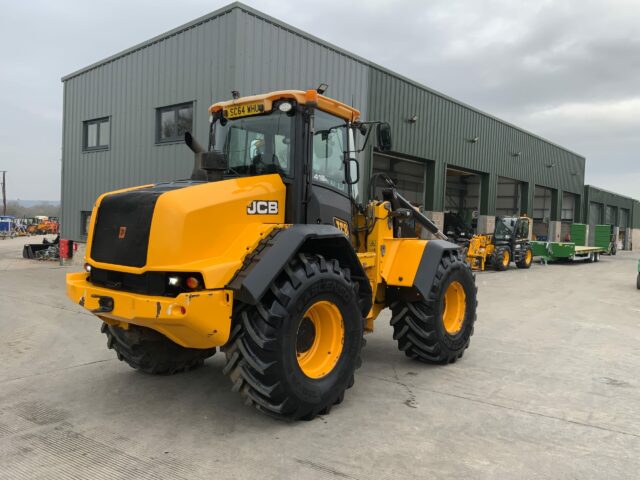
(528, 257)
(319, 339)
(455, 307)
(505, 258)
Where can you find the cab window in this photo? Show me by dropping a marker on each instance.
(329, 145)
(256, 145)
(523, 229)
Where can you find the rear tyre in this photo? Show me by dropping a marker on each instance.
(438, 329)
(502, 258)
(294, 354)
(526, 260)
(614, 249)
(638, 282)
(151, 352)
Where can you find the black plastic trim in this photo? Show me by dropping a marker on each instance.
(262, 267)
(431, 257)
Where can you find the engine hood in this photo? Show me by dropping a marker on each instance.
(185, 226)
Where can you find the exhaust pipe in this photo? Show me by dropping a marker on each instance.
(193, 144)
(207, 166)
(198, 172)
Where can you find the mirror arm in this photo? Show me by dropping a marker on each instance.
(366, 138)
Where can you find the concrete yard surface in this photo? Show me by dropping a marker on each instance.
(549, 388)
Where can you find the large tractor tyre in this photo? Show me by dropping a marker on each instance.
(438, 329)
(502, 259)
(151, 352)
(295, 353)
(526, 260)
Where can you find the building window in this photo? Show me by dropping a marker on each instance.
(85, 221)
(96, 134)
(172, 122)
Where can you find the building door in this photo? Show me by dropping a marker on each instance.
(408, 175)
(624, 229)
(611, 215)
(595, 218)
(541, 212)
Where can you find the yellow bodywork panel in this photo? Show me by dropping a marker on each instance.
(206, 228)
(387, 261)
(401, 260)
(195, 320)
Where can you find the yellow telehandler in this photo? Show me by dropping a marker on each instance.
(508, 243)
(267, 253)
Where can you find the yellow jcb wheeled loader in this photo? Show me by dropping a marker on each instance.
(509, 243)
(266, 252)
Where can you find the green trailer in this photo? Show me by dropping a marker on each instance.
(605, 238)
(565, 251)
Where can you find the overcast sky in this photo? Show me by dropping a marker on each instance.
(566, 70)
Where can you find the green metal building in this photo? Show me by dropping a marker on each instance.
(124, 116)
(604, 207)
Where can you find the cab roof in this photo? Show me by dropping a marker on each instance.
(326, 104)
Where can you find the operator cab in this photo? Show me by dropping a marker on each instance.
(306, 138)
(510, 230)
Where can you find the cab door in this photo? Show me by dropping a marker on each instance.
(522, 229)
(329, 202)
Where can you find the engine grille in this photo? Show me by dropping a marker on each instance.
(123, 224)
(148, 283)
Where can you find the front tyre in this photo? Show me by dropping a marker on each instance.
(294, 354)
(151, 352)
(502, 258)
(527, 258)
(438, 329)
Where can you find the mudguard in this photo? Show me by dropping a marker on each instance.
(431, 257)
(263, 266)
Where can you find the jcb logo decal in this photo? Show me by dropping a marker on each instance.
(263, 207)
(341, 225)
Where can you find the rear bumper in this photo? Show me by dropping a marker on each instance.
(193, 320)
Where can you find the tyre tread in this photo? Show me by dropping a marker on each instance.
(251, 355)
(414, 323)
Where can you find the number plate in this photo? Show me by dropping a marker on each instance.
(244, 110)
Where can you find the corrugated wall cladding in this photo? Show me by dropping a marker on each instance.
(443, 131)
(275, 57)
(238, 48)
(605, 198)
(177, 69)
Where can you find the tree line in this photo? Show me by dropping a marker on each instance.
(17, 210)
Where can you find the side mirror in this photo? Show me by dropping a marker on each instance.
(384, 137)
(352, 170)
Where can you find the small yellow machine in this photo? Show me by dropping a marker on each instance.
(267, 252)
(509, 242)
